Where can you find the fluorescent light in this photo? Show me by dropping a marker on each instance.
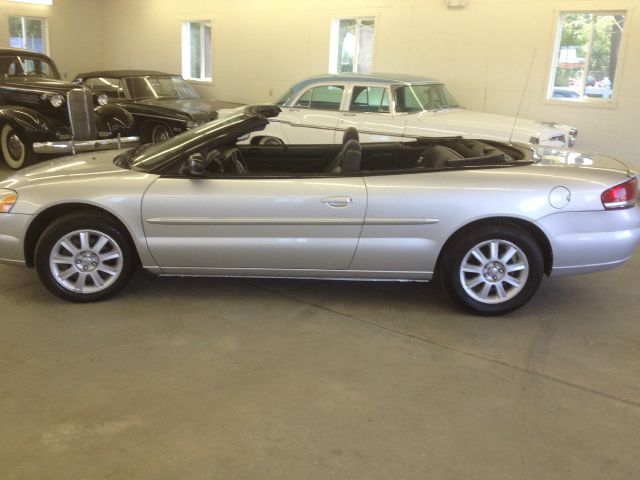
(37, 2)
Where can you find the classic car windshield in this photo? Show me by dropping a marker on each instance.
(284, 99)
(149, 156)
(159, 87)
(19, 66)
(430, 96)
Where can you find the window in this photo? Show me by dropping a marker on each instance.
(586, 55)
(28, 32)
(13, 65)
(352, 45)
(369, 99)
(196, 50)
(326, 97)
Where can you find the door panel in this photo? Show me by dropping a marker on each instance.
(403, 229)
(245, 223)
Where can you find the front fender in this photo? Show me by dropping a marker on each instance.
(143, 113)
(117, 118)
(28, 122)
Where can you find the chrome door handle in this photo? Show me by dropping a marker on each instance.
(348, 114)
(338, 201)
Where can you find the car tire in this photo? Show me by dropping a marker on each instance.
(84, 257)
(492, 270)
(270, 141)
(17, 153)
(160, 132)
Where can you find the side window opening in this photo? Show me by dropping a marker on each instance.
(326, 97)
(369, 99)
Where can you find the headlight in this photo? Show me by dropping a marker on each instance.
(8, 199)
(56, 100)
(102, 99)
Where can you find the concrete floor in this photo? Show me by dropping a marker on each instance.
(259, 379)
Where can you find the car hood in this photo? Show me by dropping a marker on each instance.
(486, 125)
(198, 108)
(39, 84)
(86, 167)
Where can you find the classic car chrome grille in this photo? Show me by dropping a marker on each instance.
(81, 119)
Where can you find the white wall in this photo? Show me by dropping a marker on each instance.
(74, 31)
(482, 52)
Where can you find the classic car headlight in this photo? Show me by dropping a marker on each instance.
(8, 199)
(56, 100)
(102, 99)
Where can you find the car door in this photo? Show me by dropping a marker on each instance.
(313, 118)
(406, 222)
(370, 113)
(253, 225)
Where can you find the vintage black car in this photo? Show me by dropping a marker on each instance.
(41, 114)
(161, 103)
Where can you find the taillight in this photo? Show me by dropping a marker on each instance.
(621, 196)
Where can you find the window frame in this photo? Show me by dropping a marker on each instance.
(611, 102)
(185, 50)
(343, 99)
(44, 26)
(384, 86)
(334, 42)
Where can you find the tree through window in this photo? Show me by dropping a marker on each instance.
(352, 45)
(27, 32)
(196, 50)
(586, 55)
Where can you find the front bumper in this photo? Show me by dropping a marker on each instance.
(70, 146)
(585, 242)
(13, 228)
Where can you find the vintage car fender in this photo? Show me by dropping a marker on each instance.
(143, 113)
(28, 122)
(118, 118)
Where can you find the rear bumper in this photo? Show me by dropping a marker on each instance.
(63, 147)
(585, 242)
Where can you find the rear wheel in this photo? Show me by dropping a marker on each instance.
(16, 152)
(493, 270)
(83, 258)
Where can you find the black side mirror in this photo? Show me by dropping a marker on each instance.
(194, 166)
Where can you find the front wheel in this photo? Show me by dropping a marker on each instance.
(83, 258)
(160, 133)
(493, 270)
(16, 152)
(270, 141)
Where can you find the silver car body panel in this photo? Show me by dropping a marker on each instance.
(381, 226)
(311, 223)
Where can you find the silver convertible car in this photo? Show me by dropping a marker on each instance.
(487, 219)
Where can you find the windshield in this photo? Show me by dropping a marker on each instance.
(149, 156)
(159, 87)
(432, 96)
(20, 66)
(284, 98)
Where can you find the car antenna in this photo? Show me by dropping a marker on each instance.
(133, 84)
(524, 91)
